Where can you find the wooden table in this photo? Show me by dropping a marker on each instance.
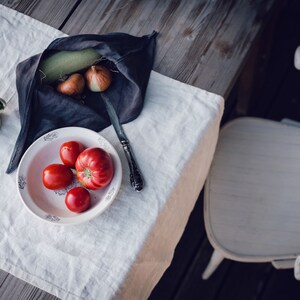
(202, 43)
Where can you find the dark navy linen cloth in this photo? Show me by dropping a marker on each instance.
(42, 109)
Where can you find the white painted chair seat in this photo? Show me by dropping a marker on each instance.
(252, 194)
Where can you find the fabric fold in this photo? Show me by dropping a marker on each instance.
(43, 109)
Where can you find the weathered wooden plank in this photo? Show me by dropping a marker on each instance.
(232, 280)
(252, 77)
(192, 286)
(184, 254)
(14, 288)
(3, 276)
(223, 54)
(244, 280)
(272, 93)
(203, 43)
(281, 285)
(10, 3)
(53, 13)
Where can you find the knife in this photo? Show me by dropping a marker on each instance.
(136, 178)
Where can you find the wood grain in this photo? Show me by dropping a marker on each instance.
(53, 13)
(244, 280)
(281, 285)
(202, 43)
(184, 255)
(14, 288)
(3, 276)
(192, 286)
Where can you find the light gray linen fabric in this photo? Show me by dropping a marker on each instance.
(123, 252)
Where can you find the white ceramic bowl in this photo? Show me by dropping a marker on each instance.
(49, 205)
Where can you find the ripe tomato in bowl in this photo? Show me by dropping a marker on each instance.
(49, 205)
(57, 176)
(78, 199)
(95, 168)
(69, 152)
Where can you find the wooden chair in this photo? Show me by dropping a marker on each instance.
(252, 194)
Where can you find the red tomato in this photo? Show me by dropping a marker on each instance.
(95, 168)
(69, 152)
(57, 176)
(78, 199)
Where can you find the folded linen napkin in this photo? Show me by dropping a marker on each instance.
(43, 109)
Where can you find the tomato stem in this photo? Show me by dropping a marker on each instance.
(87, 172)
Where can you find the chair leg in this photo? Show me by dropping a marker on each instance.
(214, 262)
(283, 264)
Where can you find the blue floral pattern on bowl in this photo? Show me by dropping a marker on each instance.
(49, 137)
(22, 182)
(52, 218)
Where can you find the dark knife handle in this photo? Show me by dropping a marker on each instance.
(136, 179)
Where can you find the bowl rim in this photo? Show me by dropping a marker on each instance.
(84, 216)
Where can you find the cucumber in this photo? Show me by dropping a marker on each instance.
(62, 63)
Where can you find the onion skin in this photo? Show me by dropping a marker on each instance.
(98, 78)
(72, 86)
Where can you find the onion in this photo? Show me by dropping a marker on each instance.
(98, 78)
(72, 86)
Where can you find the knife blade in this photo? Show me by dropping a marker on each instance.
(136, 179)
